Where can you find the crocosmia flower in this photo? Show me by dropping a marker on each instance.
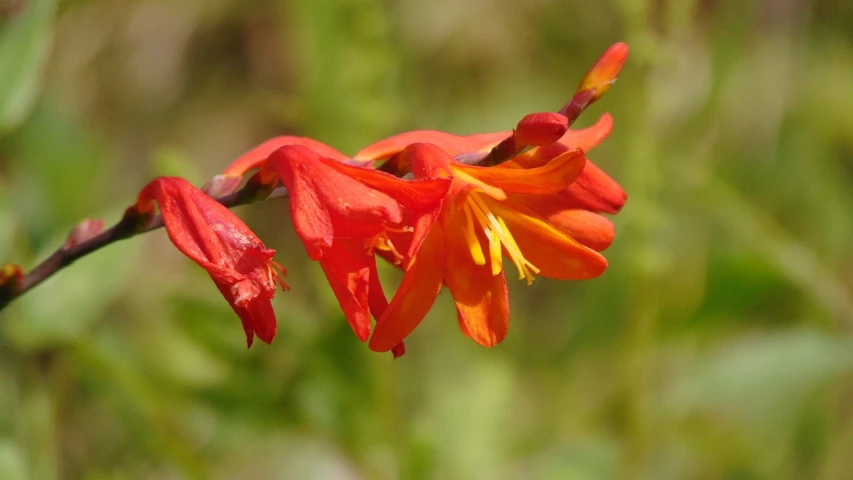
(464, 246)
(342, 214)
(208, 233)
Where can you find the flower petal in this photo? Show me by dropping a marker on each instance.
(256, 315)
(347, 268)
(452, 144)
(595, 190)
(554, 176)
(326, 203)
(590, 137)
(417, 194)
(554, 253)
(588, 228)
(254, 157)
(482, 302)
(415, 296)
(216, 239)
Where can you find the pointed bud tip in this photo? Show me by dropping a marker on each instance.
(540, 129)
(605, 70)
(83, 231)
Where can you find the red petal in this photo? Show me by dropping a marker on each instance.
(257, 316)
(326, 203)
(452, 144)
(418, 194)
(347, 268)
(212, 236)
(254, 157)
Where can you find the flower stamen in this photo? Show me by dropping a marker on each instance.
(498, 235)
(383, 243)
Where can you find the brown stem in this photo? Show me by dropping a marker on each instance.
(125, 228)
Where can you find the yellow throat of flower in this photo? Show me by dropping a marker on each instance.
(498, 236)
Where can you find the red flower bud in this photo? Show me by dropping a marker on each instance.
(540, 129)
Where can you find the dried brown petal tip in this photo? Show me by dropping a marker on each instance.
(222, 185)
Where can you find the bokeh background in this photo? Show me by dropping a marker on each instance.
(717, 345)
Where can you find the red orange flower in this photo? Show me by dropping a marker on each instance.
(343, 214)
(478, 224)
(575, 210)
(208, 233)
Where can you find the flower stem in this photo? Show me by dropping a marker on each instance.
(127, 227)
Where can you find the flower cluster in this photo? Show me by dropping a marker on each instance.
(445, 209)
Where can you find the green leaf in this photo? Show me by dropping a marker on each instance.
(25, 42)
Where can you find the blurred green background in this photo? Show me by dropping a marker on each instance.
(717, 345)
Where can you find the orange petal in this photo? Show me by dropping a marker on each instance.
(254, 157)
(552, 177)
(482, 303)
(588, 138)
(414, 297)
(595, 190)
(554, 253)
(588, 228)
(452, 144)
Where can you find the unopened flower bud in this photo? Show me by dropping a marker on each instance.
(83, 231)
(540, 129)
(10, 276)
(603, 74)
